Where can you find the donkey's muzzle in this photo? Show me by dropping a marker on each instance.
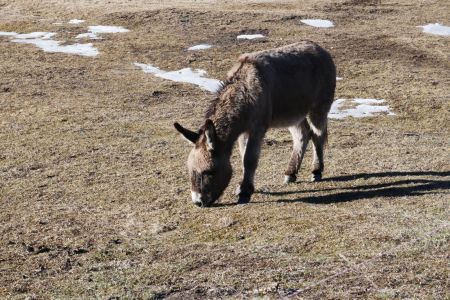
(198, 199)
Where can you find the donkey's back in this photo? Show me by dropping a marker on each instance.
(299, 79)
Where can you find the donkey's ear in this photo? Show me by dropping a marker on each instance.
(191, 136)
(210, 134)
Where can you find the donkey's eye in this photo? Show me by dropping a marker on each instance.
(208, 173)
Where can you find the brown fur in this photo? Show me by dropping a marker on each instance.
(291, 86)
(244, 58)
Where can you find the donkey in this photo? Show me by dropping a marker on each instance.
(291, 86)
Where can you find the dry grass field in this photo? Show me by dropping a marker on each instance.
(94, 195)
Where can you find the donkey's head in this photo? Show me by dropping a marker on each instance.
(209, 167)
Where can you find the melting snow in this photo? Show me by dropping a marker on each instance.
(4, 33)
(364, 108)
(94, 31)
(318, 23)
(89, 35)
(35, 35)
(54, 46)
(43, 41)
(187, 75)
(250, 36)
(76, 21)
(199, 47)
(107, 29)
(436, 28)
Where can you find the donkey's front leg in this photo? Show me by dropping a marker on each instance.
(250, 162)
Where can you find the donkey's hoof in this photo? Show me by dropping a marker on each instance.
(315, 177)
(244, 190)
(244, 199)
(289, 179)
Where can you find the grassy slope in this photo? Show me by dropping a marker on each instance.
(93, 191)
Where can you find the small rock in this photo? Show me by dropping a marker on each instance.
(156, 93)
(116, 241)
(159, 228)
(42, 249)
(80, 251)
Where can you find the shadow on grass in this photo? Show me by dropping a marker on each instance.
(387, 174)
(398, 188)
(424, 187)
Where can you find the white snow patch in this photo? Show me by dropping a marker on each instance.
(107, 29)
(76, 21)
(250, 36)
(339, 78)
(199, 47)
(436, 29)
(94, 31)
(54, 46)
(187, 75)
(368, 101)
(4, 33)
(318, 23)
(364, 108)
(35, 35)
(89, 35)
(44, 41)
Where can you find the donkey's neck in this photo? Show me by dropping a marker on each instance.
(227, 132)
(229, 113)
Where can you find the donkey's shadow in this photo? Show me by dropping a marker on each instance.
(438, 184)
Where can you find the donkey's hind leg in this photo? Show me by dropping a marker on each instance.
(319, 133)
(301, 133)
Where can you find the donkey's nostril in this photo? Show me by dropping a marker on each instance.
(199, 204)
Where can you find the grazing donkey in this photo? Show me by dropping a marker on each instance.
(291, 86)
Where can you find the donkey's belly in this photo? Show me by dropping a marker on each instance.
(289, 111)
(287, 121)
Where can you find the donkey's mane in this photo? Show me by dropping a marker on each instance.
(216, 99)
(233, 77)
(222, 86)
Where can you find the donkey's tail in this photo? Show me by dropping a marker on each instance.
(318, 124)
